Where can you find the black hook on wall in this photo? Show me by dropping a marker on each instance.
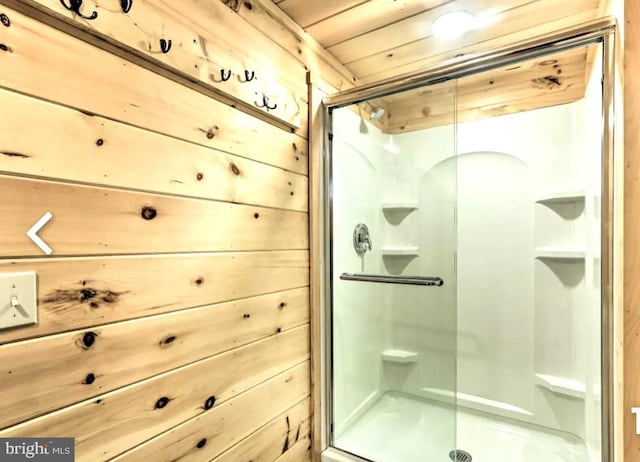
(248, 76)
(265, 103)
(74, 6)
(126, 5)
(225, 76)
(165, 45)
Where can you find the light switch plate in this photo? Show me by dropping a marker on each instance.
(21, 288)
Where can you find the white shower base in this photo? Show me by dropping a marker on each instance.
(399, 428)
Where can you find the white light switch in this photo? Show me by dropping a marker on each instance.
(18, 299)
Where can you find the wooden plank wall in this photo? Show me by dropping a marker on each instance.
(174, 311)
(326, 75)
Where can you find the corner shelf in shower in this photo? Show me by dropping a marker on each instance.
(404, 251)
(562, 386)
(408, 206)
(560, 253)
(562, 197)
(399, 356)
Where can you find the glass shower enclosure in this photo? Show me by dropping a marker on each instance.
(469, 259)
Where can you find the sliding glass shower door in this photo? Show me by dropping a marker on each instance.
(393, 255)
(470, 234)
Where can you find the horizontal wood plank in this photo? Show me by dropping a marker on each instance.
(78, 365)
(509, 26)
(98, 221)
(404, 32)
(53, 141)
(113, 422)
(138, 96)
(306, 13)
(223, 426)
(547, 81)
(484, 46)
(367, 17)
(279, 437)
(75, 293)
(485, 112)
(203, 43)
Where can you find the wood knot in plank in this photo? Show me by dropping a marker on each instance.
(14, 154)
(86, 294)
(209, 403)
(63, 298)
(234, 4)
(162, 402)
(548, 62)
(167, 340)
(550, 82)
(89, 379)
(89, 339)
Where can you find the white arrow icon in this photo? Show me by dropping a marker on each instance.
(31, 234)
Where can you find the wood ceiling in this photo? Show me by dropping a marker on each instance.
(377, 39)
(548, 81)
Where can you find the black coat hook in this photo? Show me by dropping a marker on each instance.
(265, 103)
(165, 45)
(74, 6)
(126, 5)
(224, 76)
(248, 76)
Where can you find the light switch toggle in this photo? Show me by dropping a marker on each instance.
(18, 299)
(18, 307)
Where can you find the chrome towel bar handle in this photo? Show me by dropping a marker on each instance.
(409, 280)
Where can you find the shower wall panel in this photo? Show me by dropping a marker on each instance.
(360, 320)
(528, 296)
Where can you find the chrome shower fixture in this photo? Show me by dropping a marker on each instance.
(376, 113)
(362, 239)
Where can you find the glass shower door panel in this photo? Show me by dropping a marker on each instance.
(393, 200)
(529, 292)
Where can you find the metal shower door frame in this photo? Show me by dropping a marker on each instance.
(601, 31)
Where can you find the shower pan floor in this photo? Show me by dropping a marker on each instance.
(399, 428)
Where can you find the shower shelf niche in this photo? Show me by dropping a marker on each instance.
(400, 251)
(400, 356)
(400, 206)
(562, 386)
(560, 253)
(562, 197)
